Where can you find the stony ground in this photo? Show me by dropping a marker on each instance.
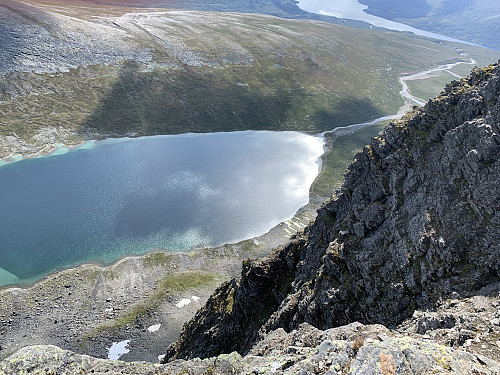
(458, 338)
(471, 324)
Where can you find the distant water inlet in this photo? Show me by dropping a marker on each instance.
(129, 196)
(352, 9)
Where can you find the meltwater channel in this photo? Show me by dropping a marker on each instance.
(128, 196)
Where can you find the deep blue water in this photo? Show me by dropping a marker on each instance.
(130, 196)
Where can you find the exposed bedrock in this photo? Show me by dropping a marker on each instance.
(416, 221)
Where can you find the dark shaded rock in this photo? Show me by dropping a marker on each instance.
(244, 305)
(435, 322)
(416, 221)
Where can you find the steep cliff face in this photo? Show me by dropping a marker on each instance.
(416, 221)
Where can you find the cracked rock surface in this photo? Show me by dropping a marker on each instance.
(416, 222)
(354, 349)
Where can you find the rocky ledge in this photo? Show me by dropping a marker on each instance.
(415, 347)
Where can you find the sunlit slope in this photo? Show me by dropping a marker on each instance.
(283, 8)
(67, 77)
(280, 8)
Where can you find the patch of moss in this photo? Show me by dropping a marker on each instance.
(230, 301)
(444, 361)
(171, 283)
(188, 280)
(156, 259)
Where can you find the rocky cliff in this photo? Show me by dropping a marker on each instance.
(417, 221)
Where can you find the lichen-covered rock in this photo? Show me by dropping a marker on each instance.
(408, 356)
(417, 220)
(469, 324)
(355, 349)
(49, 359)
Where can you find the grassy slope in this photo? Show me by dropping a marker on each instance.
(217, 72)
(431, 86)
(280, 8)
(341, 149)
(340, 153)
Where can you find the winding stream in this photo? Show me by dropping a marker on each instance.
(409, 99)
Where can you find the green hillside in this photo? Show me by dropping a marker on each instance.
(77, 77)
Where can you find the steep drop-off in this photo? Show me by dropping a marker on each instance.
(412, 235)
(416, 221)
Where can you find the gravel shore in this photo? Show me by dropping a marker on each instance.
(87, 308)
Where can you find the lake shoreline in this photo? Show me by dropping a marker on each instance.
(409, 99)
(82, 308)
(357, 12)
(131, 257)
(141, 175)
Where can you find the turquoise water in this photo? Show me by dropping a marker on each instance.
(129, 196)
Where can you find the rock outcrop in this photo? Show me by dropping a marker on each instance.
(417, 221)
(355, 349)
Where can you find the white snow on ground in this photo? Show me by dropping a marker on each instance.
(183, 302)
(186, 301)
(154, 328)
(118, 349)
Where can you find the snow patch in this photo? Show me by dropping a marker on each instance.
(183, 302)
(118, 349)
(154, 328)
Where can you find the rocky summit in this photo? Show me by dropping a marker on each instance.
(415, 223)
(398, 274)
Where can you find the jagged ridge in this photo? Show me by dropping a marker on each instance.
(416, 221)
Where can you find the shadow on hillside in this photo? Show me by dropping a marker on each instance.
(200, 99)
(346, 111)
(185, 100)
